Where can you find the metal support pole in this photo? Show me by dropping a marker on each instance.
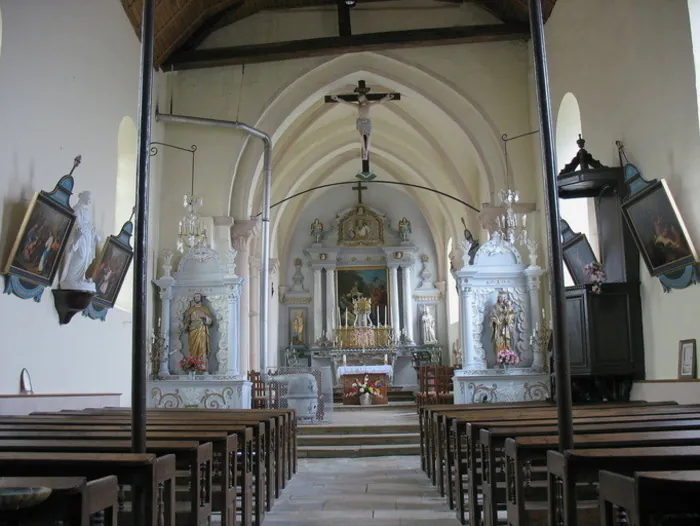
(139, 339)
(267, 191)
(561, 351)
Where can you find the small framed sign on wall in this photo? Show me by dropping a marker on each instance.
(687, 361)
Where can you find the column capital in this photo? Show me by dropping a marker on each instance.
(223, 220)
(242, 231)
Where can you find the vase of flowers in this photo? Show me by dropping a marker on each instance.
(597, 274)
(192, 366)
(506, 358)
(365, 390)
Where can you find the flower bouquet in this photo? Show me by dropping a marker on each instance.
(597, 273)
(192, 365)
(507, 357)
(365, 390)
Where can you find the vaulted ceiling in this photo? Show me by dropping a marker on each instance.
(182, 25)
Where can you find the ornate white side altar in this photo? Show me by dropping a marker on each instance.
(498, 269)
(200, 320)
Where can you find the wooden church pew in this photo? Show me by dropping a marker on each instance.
(465, 457)
(492, 441)
(649, 497)
(227, 445)
(192, 457)
(259, 453)
(524, 507)
(73, 500)
(155, 476)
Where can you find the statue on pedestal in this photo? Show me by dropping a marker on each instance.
(502, 321)
(428, 320)
(82, 248)
(317, 231)
(404, 229)
(197, 321)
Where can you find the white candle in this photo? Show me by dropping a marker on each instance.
(159, 323)
(346, 318)
(543, 316)
(377, 315)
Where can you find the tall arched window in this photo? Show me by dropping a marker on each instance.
(125, 196)
(579, 213)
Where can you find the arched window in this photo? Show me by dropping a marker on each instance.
(125, 196)
(579, 213)
(694, 14)
(452, 299)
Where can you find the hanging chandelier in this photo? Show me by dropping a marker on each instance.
(511, 225)
(191, 231)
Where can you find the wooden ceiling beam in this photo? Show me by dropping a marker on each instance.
(231, 56)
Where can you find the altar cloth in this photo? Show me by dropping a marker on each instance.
(349, 370)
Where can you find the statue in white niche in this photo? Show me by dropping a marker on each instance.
(81, 249)
(428, 320)
(197, 321)
(502, 323)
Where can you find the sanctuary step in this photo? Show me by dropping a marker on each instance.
(391, 406)
(374, 431)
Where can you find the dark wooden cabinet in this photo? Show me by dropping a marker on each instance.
(606, 344)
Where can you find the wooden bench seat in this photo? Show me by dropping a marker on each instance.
(464, 457)
(192, 457)
(492, 442)
(649, 497)
(525, 451)
(227, 445)
(154, 476)
(73, 500)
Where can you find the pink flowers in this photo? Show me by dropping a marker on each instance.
(597, 273)
(507, 357)
(190, 363)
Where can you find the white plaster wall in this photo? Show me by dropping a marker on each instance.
(630, 64)
(390, 201)
(69, 73)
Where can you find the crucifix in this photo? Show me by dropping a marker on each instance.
(359, 189)
(363, 101)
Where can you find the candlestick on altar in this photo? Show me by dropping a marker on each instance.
(386, 359)
(378, 324)
(345, 358)
(346, 318)
(543, 316)
(386, 318)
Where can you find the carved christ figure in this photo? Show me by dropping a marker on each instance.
(197, 321)
(363, 123)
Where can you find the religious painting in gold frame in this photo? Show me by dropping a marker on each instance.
(360, 227)
(298, 327)
(368, 282)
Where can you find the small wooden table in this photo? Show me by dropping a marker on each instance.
(348, 380)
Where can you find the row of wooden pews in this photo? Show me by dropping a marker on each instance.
(493, 458)
(198, 461)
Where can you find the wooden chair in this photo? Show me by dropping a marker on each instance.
(259, 400)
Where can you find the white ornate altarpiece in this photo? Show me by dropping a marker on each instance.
(498, 269)
(203, 278)
(349, 326)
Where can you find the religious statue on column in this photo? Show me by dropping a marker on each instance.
(197, 323)
(316, 231)
(404, 229)
(428, 321)
(502, 321)
(363, 105)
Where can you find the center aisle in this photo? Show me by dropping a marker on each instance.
(376, 491)
(381, 491)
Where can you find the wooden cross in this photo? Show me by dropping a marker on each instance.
(359, 189)
(363, 106)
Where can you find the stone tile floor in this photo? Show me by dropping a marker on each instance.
(384, 491)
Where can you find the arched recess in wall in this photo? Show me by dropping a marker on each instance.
(579, 213)
(694, 15)
(125, 196)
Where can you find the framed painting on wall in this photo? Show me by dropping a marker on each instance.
(297, 327)
(368, 282)
(659, 230)
(41, 241)
(110, 270)
(687, 361)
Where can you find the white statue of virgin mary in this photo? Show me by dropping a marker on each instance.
(81, 249)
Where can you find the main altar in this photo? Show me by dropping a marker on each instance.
(503, 332)
(373, 303)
